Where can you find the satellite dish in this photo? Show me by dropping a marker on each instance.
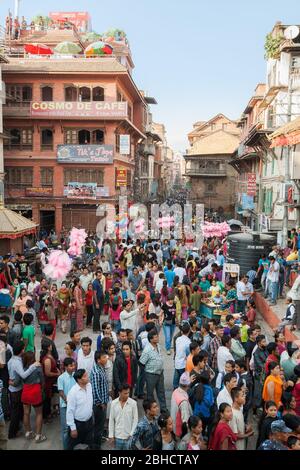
(291, 32)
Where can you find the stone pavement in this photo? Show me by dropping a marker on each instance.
(52, 430)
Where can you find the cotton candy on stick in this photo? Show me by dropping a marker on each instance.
(77, 241)
(59, 265)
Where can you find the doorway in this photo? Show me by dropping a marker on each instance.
(47, 220)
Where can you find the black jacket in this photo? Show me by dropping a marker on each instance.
(120, 371)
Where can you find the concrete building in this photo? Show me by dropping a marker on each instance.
(209, 176)
(74, 124)
(279, 105)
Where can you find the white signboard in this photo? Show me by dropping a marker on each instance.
(124, 144)
(231, 269)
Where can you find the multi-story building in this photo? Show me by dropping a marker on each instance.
(248, 161)
(280, 105)
(210, 177)
(74, 123)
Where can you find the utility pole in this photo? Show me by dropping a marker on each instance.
(17, 5)
(286, 157)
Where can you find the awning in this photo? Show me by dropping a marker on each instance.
(13, 225)
(289, 134)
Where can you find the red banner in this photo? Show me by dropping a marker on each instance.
(251, 184)
(121, 177)
(101, 109)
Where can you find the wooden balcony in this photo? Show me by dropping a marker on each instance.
(206, 172)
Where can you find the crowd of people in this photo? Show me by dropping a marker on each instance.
(142, 300)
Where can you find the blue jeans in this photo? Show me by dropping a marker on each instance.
(121, 444)
(177, 374)
(63, 426)
(141, 380)
(274, 291)
(168, 332)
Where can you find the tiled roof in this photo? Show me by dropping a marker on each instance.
(12, 223)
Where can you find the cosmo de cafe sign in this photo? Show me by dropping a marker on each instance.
(65, 109)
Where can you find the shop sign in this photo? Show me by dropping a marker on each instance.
(80, 109)
(85, 154)
(121, 177)
(251, 184)
(38, 192)
(124, 144)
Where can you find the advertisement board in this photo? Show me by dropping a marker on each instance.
(90, 109)
(124, 144)
(85, 154)
(121, 177)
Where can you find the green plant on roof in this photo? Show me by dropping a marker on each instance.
(272, 46)
(38, 18)
(118, 34)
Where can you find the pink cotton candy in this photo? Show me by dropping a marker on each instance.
(77, 241)
(210, 229)
(59, 265)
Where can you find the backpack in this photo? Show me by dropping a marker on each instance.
(178, 421)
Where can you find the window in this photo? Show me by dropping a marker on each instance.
(119, 96)
(118, 143)
(46, 177)
(210, 188)
(47, 139)
(84, 137)
(82, 175)
(224, 127)
(212, 127)
(47, 93)
(20, 139)
(19, 95)
(98, 136)
(130, 112)
(71, 136)
(19, 176)
(98, 94)
(268, 201)
(71, 93)
(84, 94)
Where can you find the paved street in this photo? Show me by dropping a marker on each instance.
(52, 430)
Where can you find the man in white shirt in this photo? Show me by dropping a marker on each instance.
(273, 280)
(224, 396)
(224, 354)
(244, 290)
(104, 265)
(129, 316)
(123, 419)
(85, 357)
(80, 411)
(33, 284)
(182, 346)
(86, 278)
(180, 271)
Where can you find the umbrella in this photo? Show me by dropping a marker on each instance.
(98, 48)
(91, 37)
(38, 49)
(234, 222)
(67, 47)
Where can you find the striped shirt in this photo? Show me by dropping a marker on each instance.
(152, 359)
(99, 384)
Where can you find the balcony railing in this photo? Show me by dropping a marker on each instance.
(206, 171)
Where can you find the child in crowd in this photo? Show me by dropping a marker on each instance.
(244, 329)
(293, 443)
(17, 326)
(72, 316)
(28, 333)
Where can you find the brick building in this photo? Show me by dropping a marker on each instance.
(209, 176)
(74, 125)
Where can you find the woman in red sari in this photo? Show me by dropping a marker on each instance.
(77, 294)
(222, 437)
